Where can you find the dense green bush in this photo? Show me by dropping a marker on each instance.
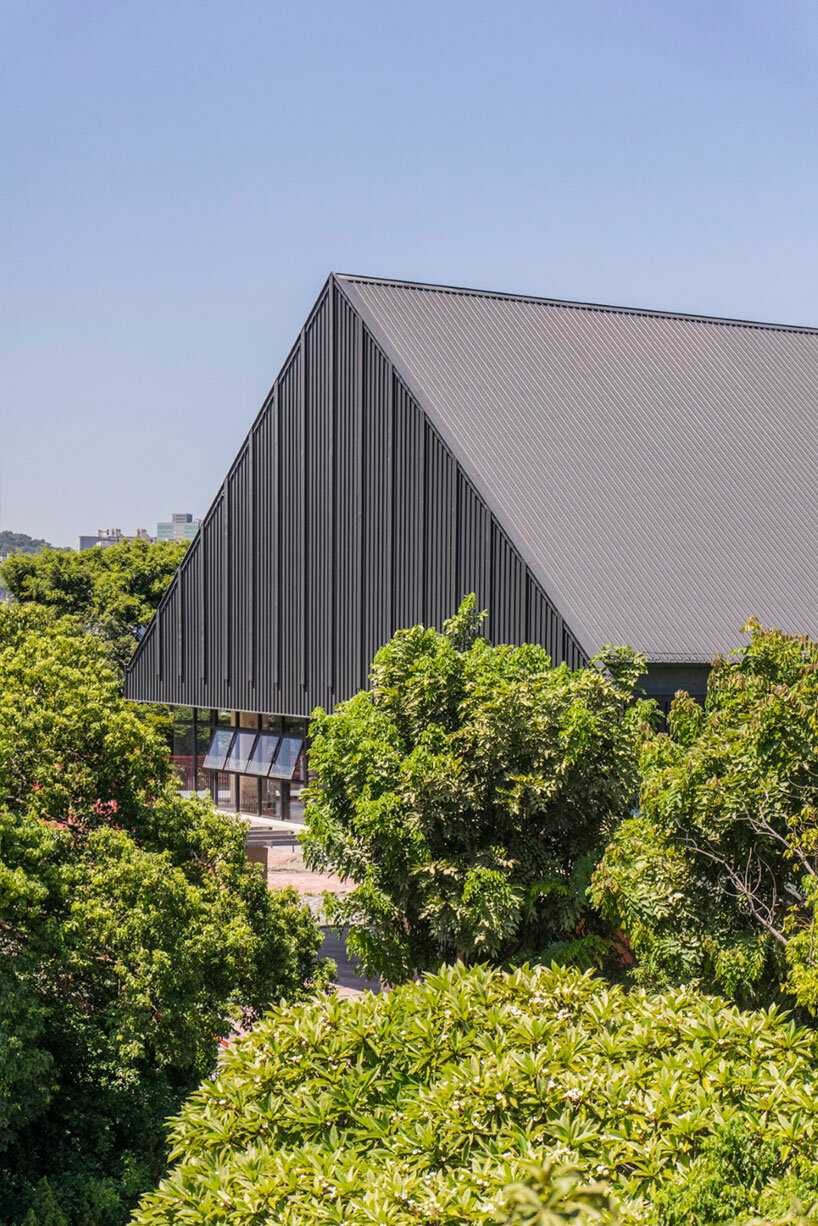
(467, 794)
(426, 1103)
(715, 881)
(131, 929)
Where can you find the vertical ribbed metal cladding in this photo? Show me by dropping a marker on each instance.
(377, 501)
(507, 611)
(192, 616)
(291, 535)
(344, 517)
(264, 560)
(319, 517)
(441, 522)
(408, 560)
(475, 534)
(348, 480)
(238, 645)
(213, 552)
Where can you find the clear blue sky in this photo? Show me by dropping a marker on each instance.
(179, 176)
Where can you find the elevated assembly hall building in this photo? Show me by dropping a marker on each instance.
(594, 474)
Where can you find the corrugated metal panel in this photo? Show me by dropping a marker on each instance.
(348, 493)
(475, 571)
(654, 471)
(343, 518)
(508, 606)
(408, 551)
(320, 431)
(376, 559)
(440, 552)
(291, 535)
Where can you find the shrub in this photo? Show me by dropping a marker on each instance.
(427, 1104)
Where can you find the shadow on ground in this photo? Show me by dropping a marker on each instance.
(346, 962)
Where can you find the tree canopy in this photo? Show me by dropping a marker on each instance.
(21, 542)
(715, 881)
(438, 1103)
(132, 929)
(113, 591)
(466, 795)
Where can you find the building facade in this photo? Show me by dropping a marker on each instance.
(181, 527)
(106, 537)
(588, 472)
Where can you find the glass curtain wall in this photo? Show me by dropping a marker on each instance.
(250, 763)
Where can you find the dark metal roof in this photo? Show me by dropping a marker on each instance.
(656, 471)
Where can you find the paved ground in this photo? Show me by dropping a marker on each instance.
(285, 866)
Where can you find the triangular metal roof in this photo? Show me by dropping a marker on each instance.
(656, 471)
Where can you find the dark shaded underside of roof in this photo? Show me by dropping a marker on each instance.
(657, 472)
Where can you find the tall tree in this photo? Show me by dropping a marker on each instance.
(113, 591)
(466, 794)
(715, 881)
(132, 929)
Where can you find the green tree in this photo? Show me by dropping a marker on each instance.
(133, 931)
(21, 542)
(113, 591)
(44, 1210)
(716, 879)
(466, 795)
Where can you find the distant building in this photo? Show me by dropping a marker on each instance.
(109, 536)
(182, 527)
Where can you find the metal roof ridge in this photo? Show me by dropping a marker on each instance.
(568, 304)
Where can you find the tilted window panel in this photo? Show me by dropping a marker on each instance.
(219, 748)
(240, 752)
(289, 752)
(263, 755)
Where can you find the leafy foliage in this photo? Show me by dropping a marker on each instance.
(554, 1196)
(716, 880)
(131, 929)
(44, 1210)
(21, 542)
(431, 1102)
(465, 795)
(114, 591)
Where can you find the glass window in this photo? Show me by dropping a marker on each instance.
(225, 791)
(263, 755)
(248, 719)
(296, 803)
(289, 751)
(182, 756)
(248, 794)
(204, 735)
(271, 723)
(240, 752)
(219, 749)
(224, 719)
(271, 798)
